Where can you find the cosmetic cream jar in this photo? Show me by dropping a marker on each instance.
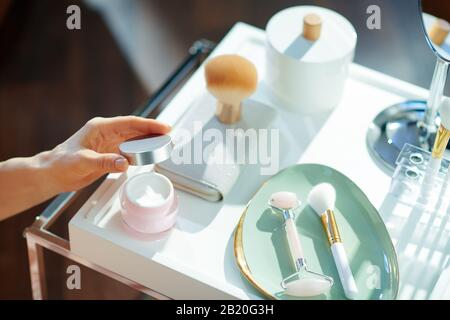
(149, 203)
(148, 200)
(307, 63)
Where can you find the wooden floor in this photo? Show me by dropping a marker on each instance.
(53, 80)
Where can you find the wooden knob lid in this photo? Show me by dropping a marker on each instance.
(312, 26)
(439, 31)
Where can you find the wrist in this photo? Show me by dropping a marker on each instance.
(42, 166)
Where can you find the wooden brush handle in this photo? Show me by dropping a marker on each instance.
(228, 113)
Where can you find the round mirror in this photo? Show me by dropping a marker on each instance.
(435, 21)
(415, 121)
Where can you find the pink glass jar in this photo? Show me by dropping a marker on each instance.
(149, 203)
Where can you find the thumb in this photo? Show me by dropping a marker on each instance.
(108, 162)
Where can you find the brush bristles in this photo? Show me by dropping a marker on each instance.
(322, 197)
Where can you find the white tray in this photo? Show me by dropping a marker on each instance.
(195, 260)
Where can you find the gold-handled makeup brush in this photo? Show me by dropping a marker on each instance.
(443, 133)
(440, 144)
(322, 199)
(437, 153)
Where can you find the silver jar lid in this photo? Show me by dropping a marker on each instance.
(146, 150)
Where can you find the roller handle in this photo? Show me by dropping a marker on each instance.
(345, 273)
(295, 246)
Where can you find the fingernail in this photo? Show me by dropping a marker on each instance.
(120, 163)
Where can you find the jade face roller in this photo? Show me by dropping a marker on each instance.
(322, 199)
(302, 283)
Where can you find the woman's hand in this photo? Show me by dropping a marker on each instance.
(94, 150)
(80, 160)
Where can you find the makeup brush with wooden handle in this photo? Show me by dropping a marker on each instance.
(230, 78)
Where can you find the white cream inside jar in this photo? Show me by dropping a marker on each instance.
(148, 190)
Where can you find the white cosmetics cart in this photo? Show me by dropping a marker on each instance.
(197, 262)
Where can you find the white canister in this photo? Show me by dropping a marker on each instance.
(304, 74)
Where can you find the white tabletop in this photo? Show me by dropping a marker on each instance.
(196, 260)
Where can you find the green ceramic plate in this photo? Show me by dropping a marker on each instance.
(261, 249)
